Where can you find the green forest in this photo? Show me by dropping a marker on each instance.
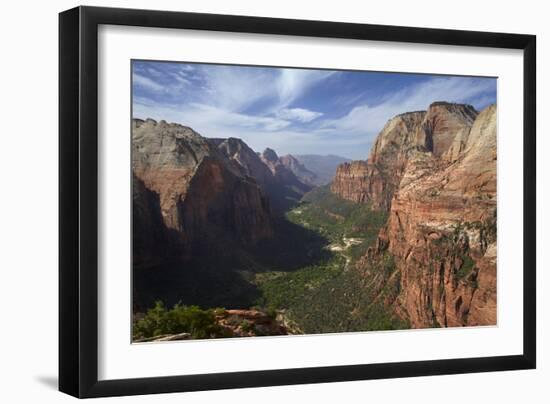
(309, 276)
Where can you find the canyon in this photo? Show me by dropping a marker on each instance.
(217, 224)
(198, 202)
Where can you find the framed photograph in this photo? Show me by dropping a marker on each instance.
(251, 201)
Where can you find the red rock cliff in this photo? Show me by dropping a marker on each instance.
(441, 131)
(441, 229)
(196, 189)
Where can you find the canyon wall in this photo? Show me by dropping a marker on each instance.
(191, 192)
(435, 172)
(273, 174)
(441, 131)
(442, 233)
(186, 191)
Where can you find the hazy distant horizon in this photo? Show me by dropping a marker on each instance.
(256, 151)
(291, 110)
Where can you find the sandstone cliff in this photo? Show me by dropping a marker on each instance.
(441, 229)
(442, 131)
(183, 181)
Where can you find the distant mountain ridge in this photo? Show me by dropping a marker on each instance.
(304, 175)
(278, 182)
(282, 173)
(322, 166)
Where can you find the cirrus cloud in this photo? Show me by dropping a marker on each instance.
(292, 110)
(298, 114)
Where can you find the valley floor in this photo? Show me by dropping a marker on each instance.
(317, 288)
(334, 296)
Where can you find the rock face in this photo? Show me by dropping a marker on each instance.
(300, 171)
(286, 189)
(375, 180)
(441, 229)
(281, 172)
(276, 180)
(245, 158)
(186, 190)
(441, 131)
(150, 236)
(353, 181)
(446, 125)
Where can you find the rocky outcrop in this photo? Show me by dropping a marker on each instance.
(251, 323)
(445, 127)
(441, 229)
(182, 181)
(442, 131)
(238, 323)
(300, 171)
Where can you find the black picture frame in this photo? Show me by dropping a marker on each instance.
(78, 201)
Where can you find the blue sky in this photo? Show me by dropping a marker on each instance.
(297, 111)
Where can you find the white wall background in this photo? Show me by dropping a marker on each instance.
(28, 202)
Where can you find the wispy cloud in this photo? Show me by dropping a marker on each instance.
(235, 88)
(210, 120)
(370, 119)
(291, 110)
(238, 120)
(293, 83)
(157, 84)
(298, 114)
(146, 82)
(181, 78)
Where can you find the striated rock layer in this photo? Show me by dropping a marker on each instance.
(441, 229)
